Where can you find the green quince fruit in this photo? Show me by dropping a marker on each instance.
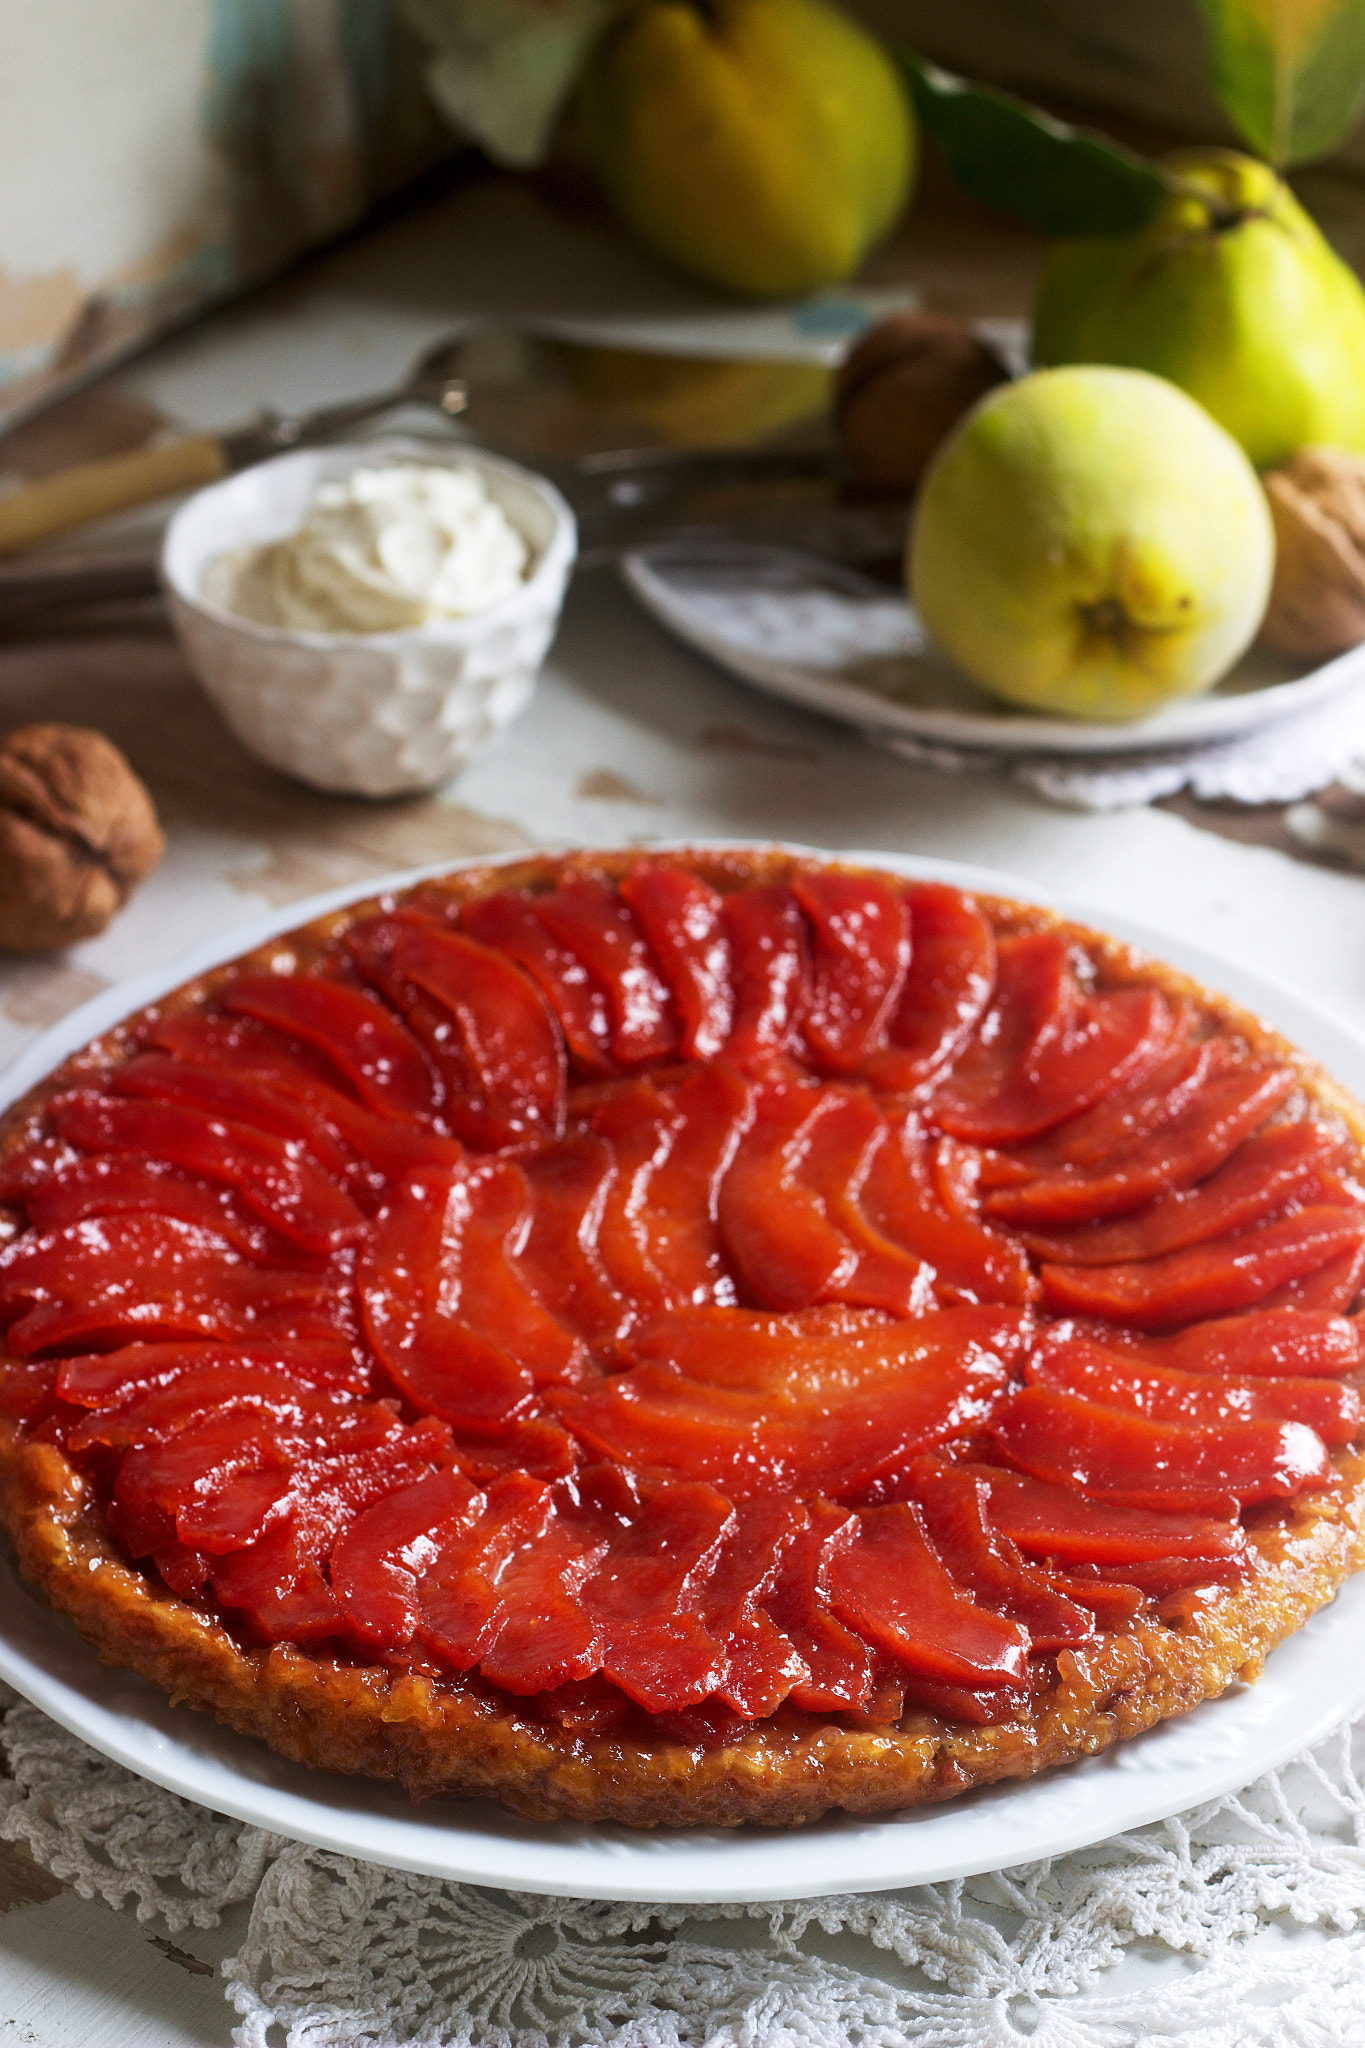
(764, 145)
(1232, 293)
(1090, 543)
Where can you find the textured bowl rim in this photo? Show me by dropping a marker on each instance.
(556, 557)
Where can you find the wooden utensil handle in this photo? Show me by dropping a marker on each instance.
(73, 497)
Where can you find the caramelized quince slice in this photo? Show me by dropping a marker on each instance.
(588, 919)
(1046, 1051)
(1165, 1394)
(136, 1276)
(954, 1506)
(358, 1036)
(1175, 1156)
(1047, 1521)
(1207, 1279)
(884, 1578)
(1286, 1162)
(1277, 1342)
(860, 950)
(770, 970)
(946, 989)
(1126, 1458)
(266, 1172)
(439, 1363)
(681, 918)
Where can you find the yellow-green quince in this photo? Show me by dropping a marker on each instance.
(1091, 543)
(764, 145)
(1233, 293)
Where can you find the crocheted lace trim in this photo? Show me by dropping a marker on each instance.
(1207, 1931)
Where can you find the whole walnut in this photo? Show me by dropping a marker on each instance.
(1317, 600)
(902, 390)
(78, 832)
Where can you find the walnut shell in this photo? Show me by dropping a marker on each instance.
(902, 390)
(1317, 600)
(78, 832)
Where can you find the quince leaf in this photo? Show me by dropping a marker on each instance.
(1064, 180)
(1291, 73)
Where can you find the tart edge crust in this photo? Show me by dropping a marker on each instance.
(440, 1737)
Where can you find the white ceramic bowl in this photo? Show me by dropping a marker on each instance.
(371, 714)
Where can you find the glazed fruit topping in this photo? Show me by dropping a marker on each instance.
(685, 1299)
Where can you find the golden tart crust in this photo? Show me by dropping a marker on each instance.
(436, 1733)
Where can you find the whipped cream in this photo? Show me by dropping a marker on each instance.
(379, 551)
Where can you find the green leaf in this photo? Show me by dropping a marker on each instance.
(1064, 180)
(1291, 73)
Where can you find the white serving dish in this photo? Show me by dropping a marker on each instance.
(1310, 1682)
(368, 714)
(825, 637)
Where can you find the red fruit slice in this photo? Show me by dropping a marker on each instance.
(838, 1664)
(545, 1637)
(953, 1506)
(1125, 1458)
(970, 1262)
(679, 1215)
(277, 1584)
(1208, 1279)
(1046, 1052)
(239, 1045)
(501, 1038)
(440, 1364)
(488, 1215)
(1148, 1104)
(121, 1277)
(1265, 1172)
(381, 1561)
(822, 1413)
(102, 1379)
(235, 1046)
(1332, 1288)
(1046, 1521)
(1176, 1156)
(150, 1415)
(156, 1077)
(1273, 1341)
(761, 1663)
(198, 1463)
(1165, 1394)
(508, 923)
(644, 1595)
(840, 1147)
(776, 1231)
(589, 920)
(860, 950)
(885, 1579)
(945, 991)
(559, 1260)
(639, 1126)
(770, 971)
(362, 1039)
(460, 1605)
(268, 1173)
(118, 1186)
(680, 916)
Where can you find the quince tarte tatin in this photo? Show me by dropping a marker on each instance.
(685, 1338)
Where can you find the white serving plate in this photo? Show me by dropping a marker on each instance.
(1309, 1684)
(805, 628)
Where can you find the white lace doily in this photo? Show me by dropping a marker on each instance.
(1238, 1925)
